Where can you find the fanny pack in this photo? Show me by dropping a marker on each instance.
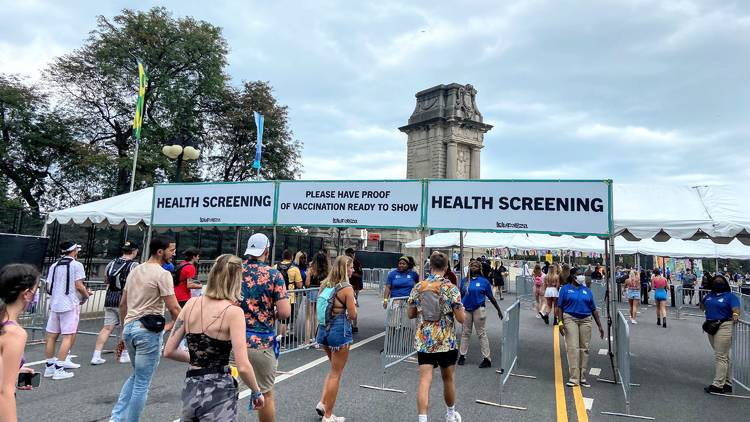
(269, 337)
(153, 323)
(711, 326)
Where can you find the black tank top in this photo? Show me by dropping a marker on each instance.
(206, 351)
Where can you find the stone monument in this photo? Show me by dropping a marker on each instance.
(445, 134)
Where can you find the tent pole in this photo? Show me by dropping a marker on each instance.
(422, 274)
(609, 248)
(273, 246)
(460, 254)
(237, 241)
(146, 251)
(44, 229)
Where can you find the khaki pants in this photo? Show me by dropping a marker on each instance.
(721, 342)
(577, 340)
(476, 319)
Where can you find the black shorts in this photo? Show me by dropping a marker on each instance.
(441, 359)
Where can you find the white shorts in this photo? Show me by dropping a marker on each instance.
(64, 322)
(551, 292)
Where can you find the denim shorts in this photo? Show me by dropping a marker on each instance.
(338, 335)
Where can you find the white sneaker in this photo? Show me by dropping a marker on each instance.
(60, 374)
(333, 418)
(97, 361)
(124, 357)
(68, 364)
(49, 371)
(456, 417)
(320, 409)
(634, 322)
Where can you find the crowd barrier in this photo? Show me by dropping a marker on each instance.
(599, 289)
(524, 289)
(399, 339)
(509, 352)
(375, 278)
(622, 369)
(34, 318)
(300, 329)
(741, 354)
(687, 301)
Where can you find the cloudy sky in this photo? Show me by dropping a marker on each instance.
(639, 91)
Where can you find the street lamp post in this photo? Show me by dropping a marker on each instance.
(181, 148)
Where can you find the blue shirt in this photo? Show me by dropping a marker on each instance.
(474, 291)
(168, 266)
(401, 283)
(720, 305)
(578, 302)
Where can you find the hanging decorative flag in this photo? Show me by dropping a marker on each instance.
(259, 139)
(138, 120)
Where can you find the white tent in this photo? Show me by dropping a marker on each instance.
(673, 247)
(132, 208)
(729, 208)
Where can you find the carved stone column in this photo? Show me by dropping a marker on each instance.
(475, 159)
(451, 160)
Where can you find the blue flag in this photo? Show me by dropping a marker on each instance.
(259, 141)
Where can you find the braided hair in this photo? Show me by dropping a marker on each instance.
(14, 280)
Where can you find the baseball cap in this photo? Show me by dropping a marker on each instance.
(257, 244)
(69, 246)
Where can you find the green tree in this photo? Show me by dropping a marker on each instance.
(185, 60)
(42, 162)
(234, 129)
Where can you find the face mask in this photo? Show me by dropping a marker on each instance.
(719, 287)
(580, 279)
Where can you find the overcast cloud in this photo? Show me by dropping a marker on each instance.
(639, 91)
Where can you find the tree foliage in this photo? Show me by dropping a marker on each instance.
(41, 157)
(185, 61)
(235, 131)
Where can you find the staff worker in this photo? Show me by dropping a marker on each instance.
(474, 289)
(575, 309)
(722, 309)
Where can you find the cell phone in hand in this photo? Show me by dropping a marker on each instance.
(28, 379)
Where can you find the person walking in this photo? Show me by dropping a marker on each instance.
(355, 280)
(498, 279)
(661, 287)
(538, 285)
(67, 294)
(264, 301)
(317, 272)
(645, 286)
(633, 291)
(437, 304)
(186, 274)
(474, 289)
(336, 311)
(722, 308)
(117, 272)
(18, 286)
(400, 281)
(148, 291)
(575, 309)
(551, 292)
(214, 327)
(688, 286)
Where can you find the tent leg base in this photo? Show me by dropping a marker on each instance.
(504, 406)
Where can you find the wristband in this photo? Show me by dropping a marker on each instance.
(560, 324)
(385, 300)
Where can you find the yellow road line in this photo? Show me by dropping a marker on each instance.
(583, 416)
(562, 409)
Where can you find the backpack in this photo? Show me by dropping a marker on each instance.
(63, 262)
(325, 302)
(176, 273)
(117, 275)
(430, 299)
(284, 270)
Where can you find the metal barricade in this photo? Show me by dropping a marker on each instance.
(687, 301)
(34, 318)
(93, 308)
(600, 292)
(300, 329)
(622, 369)
(744, 306)
(509, 353)
(741, 354)
(399, 339)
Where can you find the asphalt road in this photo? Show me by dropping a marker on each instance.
(671, 365)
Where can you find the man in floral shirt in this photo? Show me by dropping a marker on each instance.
(264, 300)
(436, 340)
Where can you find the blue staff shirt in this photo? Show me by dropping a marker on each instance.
(473, 292)
(401, 283)
(720, 305)
(578, 302)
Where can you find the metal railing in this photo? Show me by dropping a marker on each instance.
(509, 352)
(300, 329)
(375, 278)
(741, 354)
(687, 301)
(622, 369)
(399, 339)
(599, 289)
(34, 318)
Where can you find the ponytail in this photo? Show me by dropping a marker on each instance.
(3, 313)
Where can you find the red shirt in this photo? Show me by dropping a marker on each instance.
(181, 291)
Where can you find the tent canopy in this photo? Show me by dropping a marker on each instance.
(673, 247)
(130, 208)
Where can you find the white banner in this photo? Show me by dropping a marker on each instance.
(569, 207)
(214, 204)
(396, 204)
